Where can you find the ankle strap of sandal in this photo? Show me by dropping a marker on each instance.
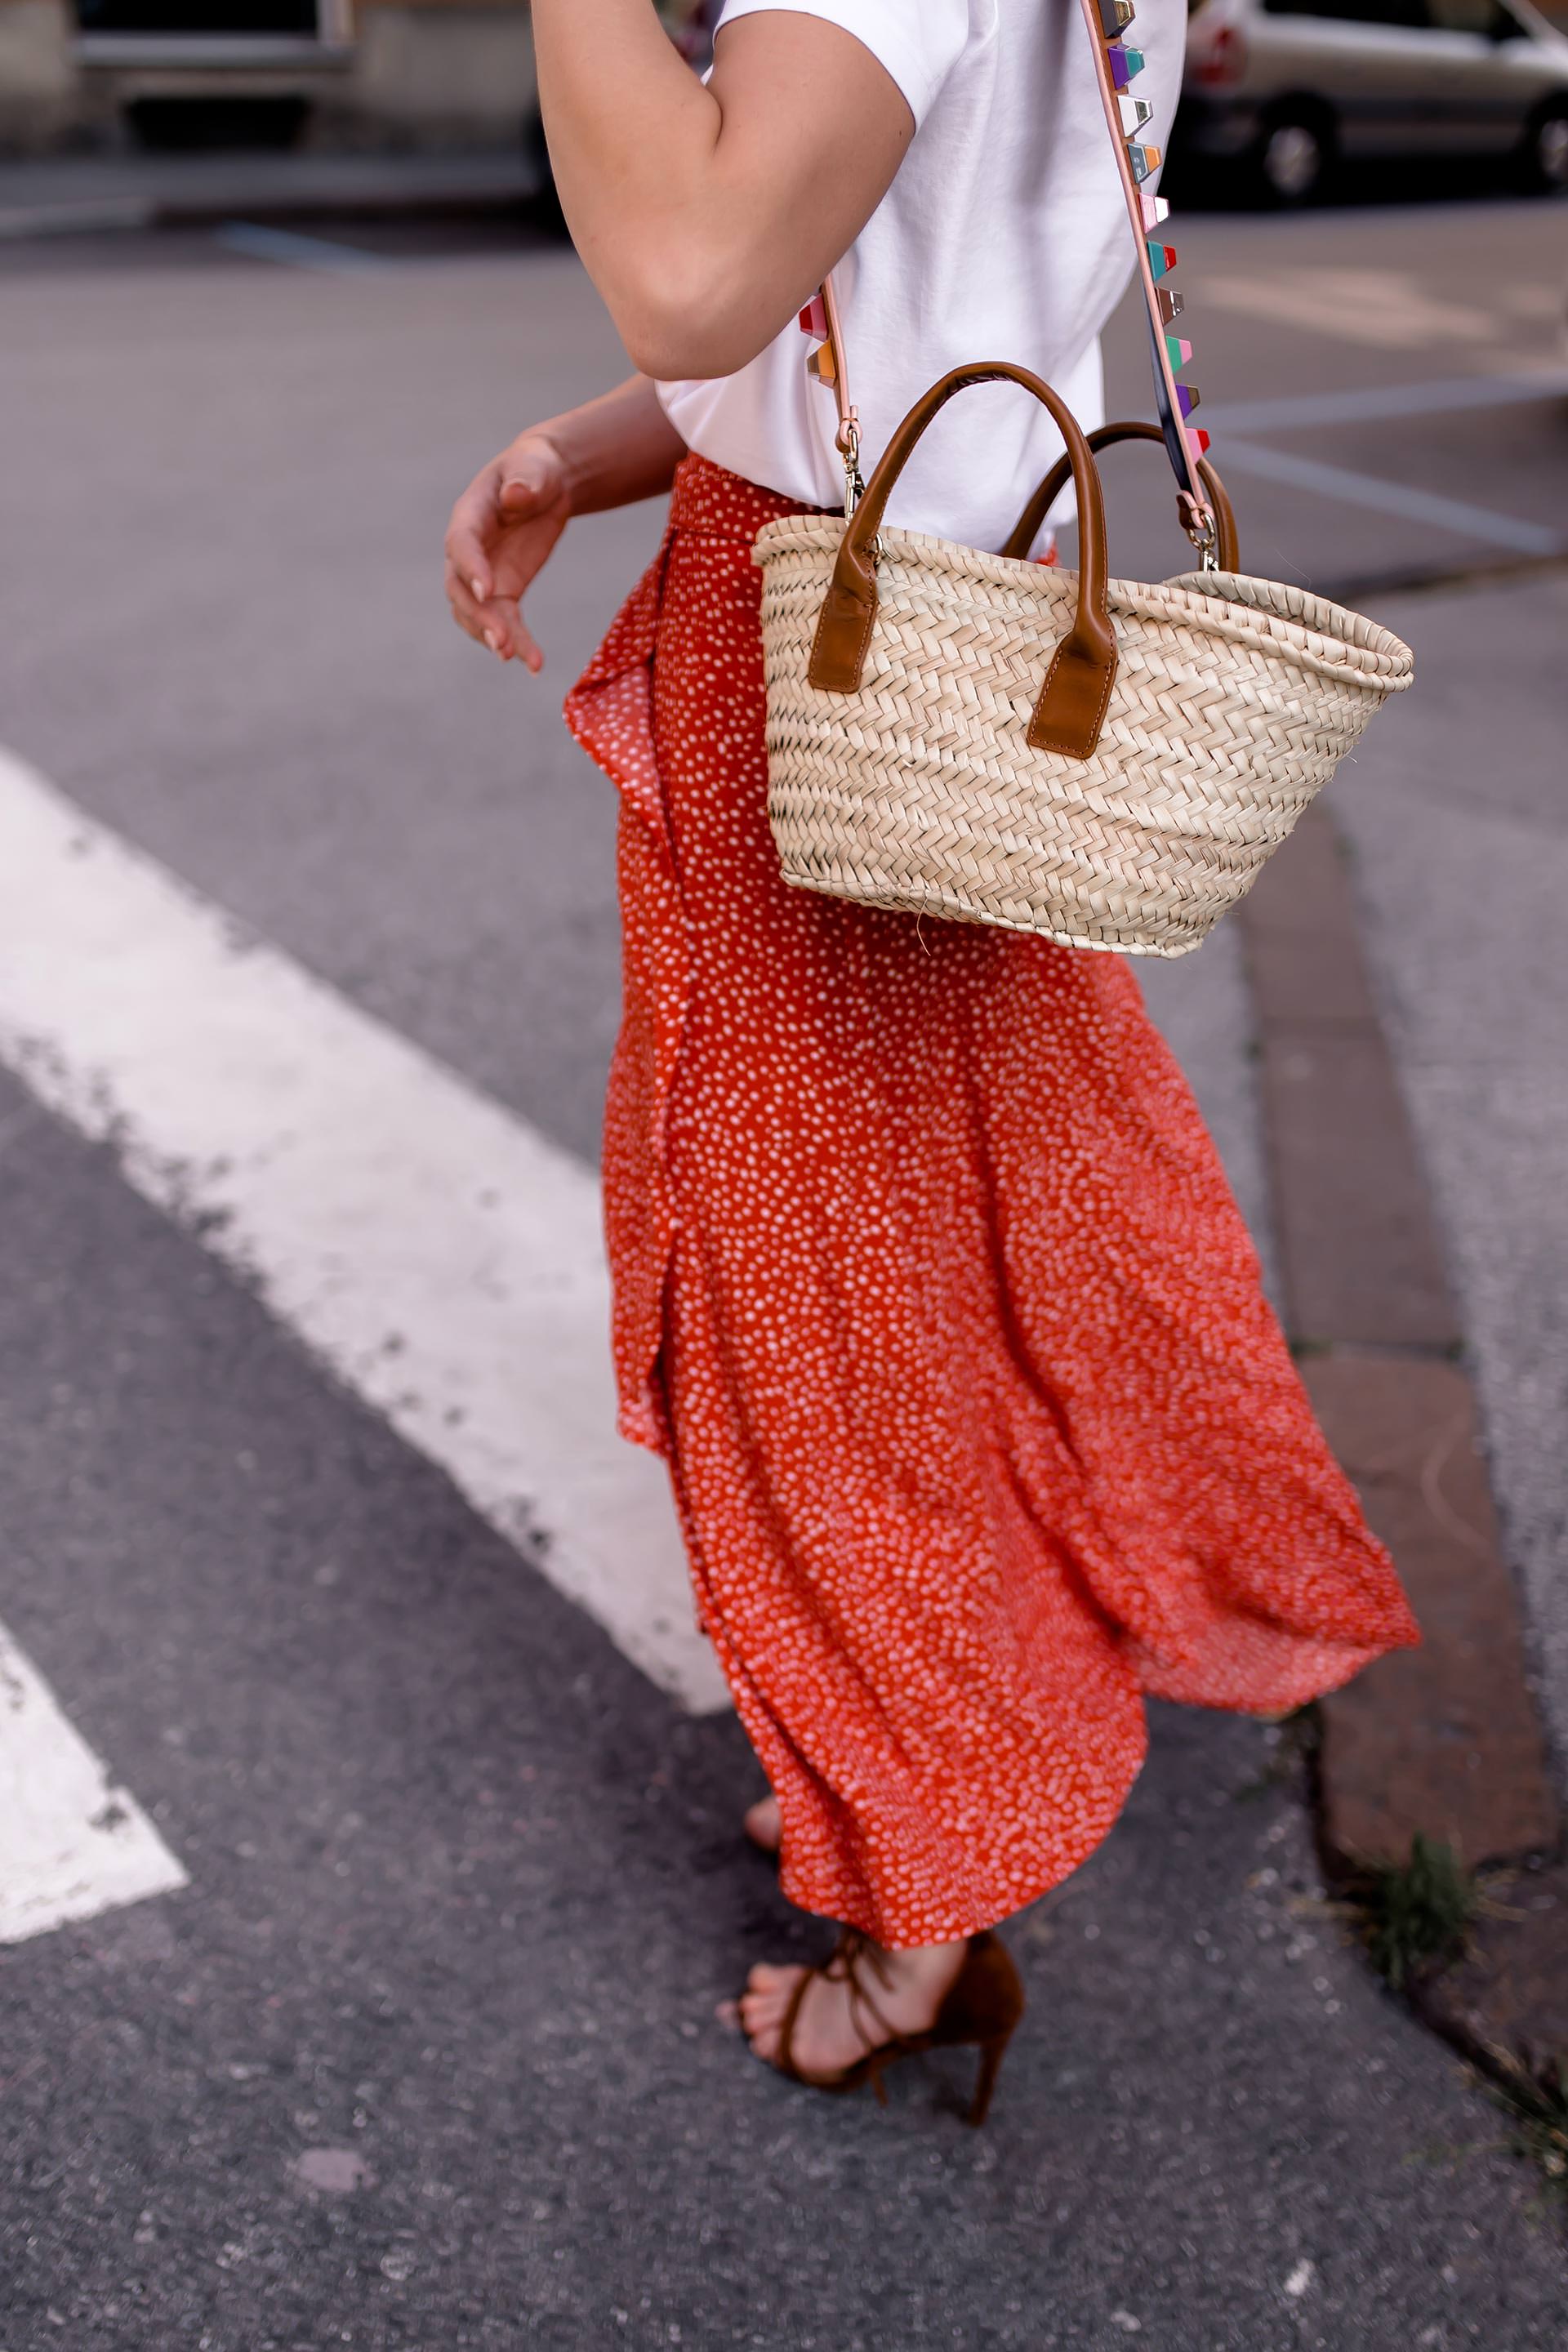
(852, 1948)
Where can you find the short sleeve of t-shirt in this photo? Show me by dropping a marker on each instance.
(918, 42)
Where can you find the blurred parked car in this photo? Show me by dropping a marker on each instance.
(204, 73)
(1286, 86)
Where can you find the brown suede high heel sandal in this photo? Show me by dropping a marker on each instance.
(983, 2005)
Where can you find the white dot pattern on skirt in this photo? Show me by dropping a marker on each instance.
(929, 1287)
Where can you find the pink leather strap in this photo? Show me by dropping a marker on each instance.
(848, 435)
(1198, 514)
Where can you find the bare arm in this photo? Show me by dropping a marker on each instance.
(616, 449)
(503, 529)
(707, 214)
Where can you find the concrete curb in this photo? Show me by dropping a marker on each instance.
(1445, 1741)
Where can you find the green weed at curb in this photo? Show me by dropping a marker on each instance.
(1413, 1919)
(1416, 1915)
(1537, 2107)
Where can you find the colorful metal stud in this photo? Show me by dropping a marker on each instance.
(814, 322)
(1122, 65)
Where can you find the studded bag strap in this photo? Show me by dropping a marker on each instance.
(1117, 65)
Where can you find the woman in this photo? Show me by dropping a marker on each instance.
(928, 1285)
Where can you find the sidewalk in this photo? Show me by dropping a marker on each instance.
(56, 195)
(1458, 825)
(1376, 1042)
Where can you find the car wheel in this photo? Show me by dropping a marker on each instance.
(1543, 151)
(1292, 157)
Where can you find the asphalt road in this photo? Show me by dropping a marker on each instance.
(423, 2055)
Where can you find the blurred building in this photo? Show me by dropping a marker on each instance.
(332, 72)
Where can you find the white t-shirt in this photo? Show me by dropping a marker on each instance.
(1005, 236)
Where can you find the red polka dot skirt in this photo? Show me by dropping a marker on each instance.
(929, 1287)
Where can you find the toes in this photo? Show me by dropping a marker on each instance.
(763, 2027)
(767, 1977)
(767, 1996)
(763, 2006)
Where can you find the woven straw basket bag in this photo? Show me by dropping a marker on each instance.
(995, 740)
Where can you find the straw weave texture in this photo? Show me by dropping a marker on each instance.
(1235, 700)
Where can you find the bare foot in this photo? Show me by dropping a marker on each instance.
(763, 1826)
(833, 2029)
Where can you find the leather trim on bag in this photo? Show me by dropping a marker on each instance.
(1027, 528)
(1070, 710)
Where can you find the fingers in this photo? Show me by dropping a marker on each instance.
(529, 653)
(528, 487)
(523, 483)
(474, 518)
(467, 611)
(495, 621)
(509, 491)
(475, 521)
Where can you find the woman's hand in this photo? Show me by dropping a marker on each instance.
(611, 452)
(502, 534)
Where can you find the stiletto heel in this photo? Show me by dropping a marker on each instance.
(992, 2053)
(981, 2006)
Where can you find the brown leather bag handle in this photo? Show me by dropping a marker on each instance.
(1050, 489)
(1072, 702)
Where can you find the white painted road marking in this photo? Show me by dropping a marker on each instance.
(1390, 498)
(294, 250)
(72, 1842)
(1379, 403)
(442, 1259)
(1386, 309)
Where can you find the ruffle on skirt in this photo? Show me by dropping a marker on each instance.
(930, 1288)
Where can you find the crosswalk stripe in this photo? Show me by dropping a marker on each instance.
(1372, 404)
(72, 1842)
(1408, 501)
(442, 1259)
(287, 246)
